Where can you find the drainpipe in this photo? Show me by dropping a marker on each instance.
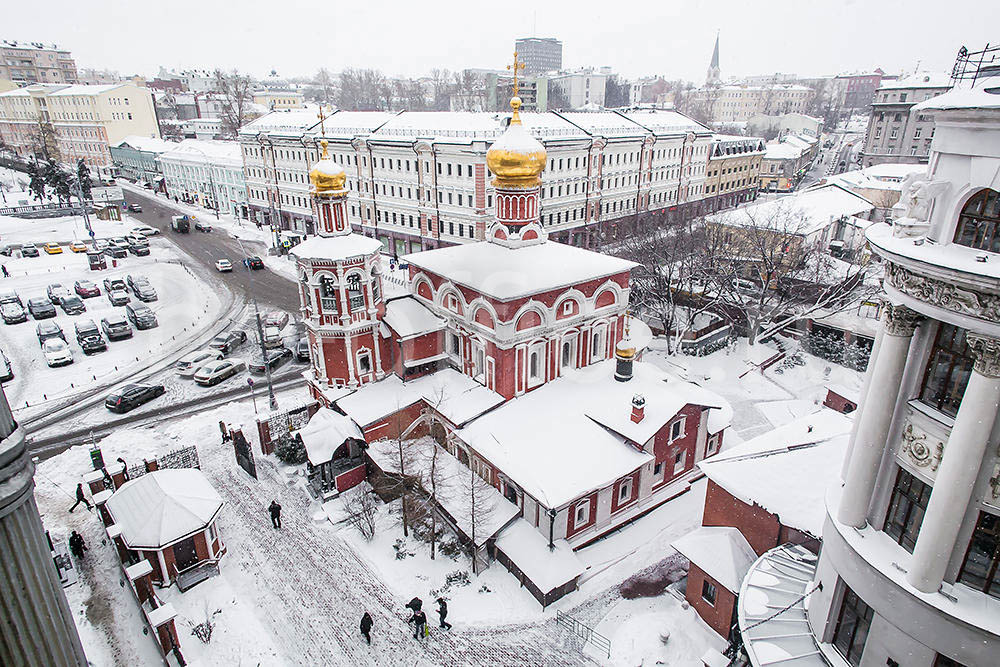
(552, 523)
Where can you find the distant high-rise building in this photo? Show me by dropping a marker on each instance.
(25, 63)
(540, 54)
(714, 73)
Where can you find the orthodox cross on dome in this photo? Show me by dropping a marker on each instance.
(322, 119)
(517, 65)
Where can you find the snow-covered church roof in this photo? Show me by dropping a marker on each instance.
(164, 506)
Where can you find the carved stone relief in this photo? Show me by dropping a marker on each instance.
(944, 295)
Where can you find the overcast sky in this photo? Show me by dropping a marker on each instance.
(669, 37)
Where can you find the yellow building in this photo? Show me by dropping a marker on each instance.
(733, 168)
(75, 121)
(276, 100)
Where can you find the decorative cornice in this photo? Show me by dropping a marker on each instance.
(987, 352)
(943, 294)
(900, 320)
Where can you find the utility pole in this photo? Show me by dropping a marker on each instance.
(260, 333)
(83, 208)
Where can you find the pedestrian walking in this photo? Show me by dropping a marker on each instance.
(6, 273)
(76, 545)
(124, 468)
(80, 498)
(443, 613)
(366, 627)
(275, 510)
(419, 620)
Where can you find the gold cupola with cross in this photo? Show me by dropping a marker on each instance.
(326, 176)
(516, 159)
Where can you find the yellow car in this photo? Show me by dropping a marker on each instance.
(78, 246)
(52, 248)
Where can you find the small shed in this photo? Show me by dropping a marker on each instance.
(333, 447)
(168, 517)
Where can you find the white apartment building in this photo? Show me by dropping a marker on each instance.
(419, 180)
(85, 121)
(582, 87)
(738, 103)
(207, 173)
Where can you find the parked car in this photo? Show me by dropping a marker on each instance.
(223, 266)
(86, 289)
(255, 263)
(275, 358)
(52, 248)
(136, 239)
(276, 319)
(135, 208)
(89, 337)
(146, 230)
(13, 313)
(215, 372)
(119, 241)
(6, 370)
(145, 292)
(100, 245)
(138, 250)
(190, 363)
(202, 226)
(272, 337)
(118, 297)
(132, 396)
(56, 291)
(57, 352)
(229, 341)
(133, 279)
(302, 350)
(111, 284)
(29, 250)
(141, 316)
(116, 327)
(47, 330)
(41, 308)
(72, 304)
(10, 297)
(116, 252)
(78, 246)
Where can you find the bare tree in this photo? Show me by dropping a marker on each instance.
(235, 93)
(361, 508)
(557, 98)
(478, 497)
(442, 86)
(469, 93)
(323, 83)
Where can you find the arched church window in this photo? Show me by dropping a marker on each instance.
(376, 287)
(355, 292)
(979, 222)
(328, 294)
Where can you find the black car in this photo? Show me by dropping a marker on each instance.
(41, 308)
(116, 327)
(229, 341)
(47, 330)
(275, 358)
(116, 252)
(132, 396)
(89, 337)
(141, 316)
(255, 263)
(72, 304)
(138, 250)
(135, 208)
(302, 350)
(111, 284)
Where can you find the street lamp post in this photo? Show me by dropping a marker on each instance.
(272, 399)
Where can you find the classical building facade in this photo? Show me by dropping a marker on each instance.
(737, 103)
(137, 158)
(207, 173)
(733, 170)
(26, 63)
(419, 180)
(896, 131)
(909, 572)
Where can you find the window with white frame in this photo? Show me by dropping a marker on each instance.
(581, 514)
(355, 292)
(567, 307)
(680, 457)
(454, 345)
(451, 303)
(364, 362)
(483, 469)
(658, 469)
(568, 353)
(677, 430)
(713, 444)
(328, 294)
(536, 364)
(597, 344)
(625, 490)
(479, 362)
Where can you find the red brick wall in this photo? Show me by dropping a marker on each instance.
(718, 616)
(168, 557)
(350, 479)
(664, 450)
(759, 527)
(155, 562)
(394, 424)
(837, 402)
(201, 547)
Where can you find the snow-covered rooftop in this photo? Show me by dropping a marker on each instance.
(666, 121)
(787, 470)
(568, 437)
(509, 273)
(547, 569)
(918, 80)
(335, 248)
(326, 431)
(781, 151)
(200, 150)
(408, 318)
(147, 144)
(985, 95)
(802, 213)
(720, 551)
(164, 506)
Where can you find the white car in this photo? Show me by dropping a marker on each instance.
(189, 364)
(137, 239)
(57, 352)
(146, 231)
(223, 265)
(272, 337)
(215, 372)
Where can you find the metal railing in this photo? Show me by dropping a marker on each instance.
(971, 65)
(584, 633)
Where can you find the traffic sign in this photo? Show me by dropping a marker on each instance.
(92, 234)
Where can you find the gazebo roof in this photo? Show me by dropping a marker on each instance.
(164, 506)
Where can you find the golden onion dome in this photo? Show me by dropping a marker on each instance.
(516, 158)
(326, 175)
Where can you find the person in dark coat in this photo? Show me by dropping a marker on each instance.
(275, 510)
(366, 627)
(6, 273)
(76, 545)
(124, 467)
(80, 498)
(443, 613)
(419, 620)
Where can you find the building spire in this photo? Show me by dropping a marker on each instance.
(715, 54)
(515, 101)
(714, 72)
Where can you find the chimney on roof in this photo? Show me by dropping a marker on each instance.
(638, 408)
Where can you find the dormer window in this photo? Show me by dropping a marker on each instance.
(451, 303)
(979, 222)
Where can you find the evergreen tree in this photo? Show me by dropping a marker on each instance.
(83, 173)
(37, 182)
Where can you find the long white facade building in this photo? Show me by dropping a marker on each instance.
(419, 180)
(207, 173)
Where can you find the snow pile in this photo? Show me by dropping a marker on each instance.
(326, 431)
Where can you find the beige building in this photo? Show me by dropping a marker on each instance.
(895, 133)
(733, 168)
(276, 100)
(75, 121)
(33, 62)
(738, 103)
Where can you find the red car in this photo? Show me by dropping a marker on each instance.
(86, 289)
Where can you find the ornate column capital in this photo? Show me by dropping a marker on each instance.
(900, 320)
(987, 353)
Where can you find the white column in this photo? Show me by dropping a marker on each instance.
(868, 443)
(862, 398)
(963, 456)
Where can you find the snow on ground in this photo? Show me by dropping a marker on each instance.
(184, 306)
(63, 229)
